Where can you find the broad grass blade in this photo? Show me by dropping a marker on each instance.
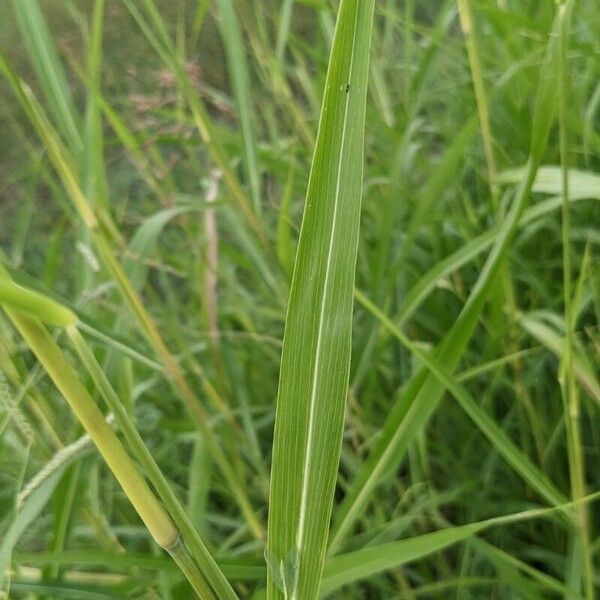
(316, 348)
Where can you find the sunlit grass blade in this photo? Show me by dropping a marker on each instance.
(316, 349)
(420, 398)
(582, 184)
(547, 336)
(43, 308)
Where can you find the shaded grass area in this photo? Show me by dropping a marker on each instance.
(188, 129)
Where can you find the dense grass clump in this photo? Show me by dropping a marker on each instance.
(299, 299)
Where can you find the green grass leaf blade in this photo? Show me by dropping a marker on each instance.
(95, 185)
(209, 568)
(49, 70)
(59, 155)
(555, 343)
(283, 30)
(28, 513)
(316, 350)
(363, 563)
(465, 254)
(42, 307)
(513, 455)
(582, 184)
(370, 560)
(143, 242)
(240, 82)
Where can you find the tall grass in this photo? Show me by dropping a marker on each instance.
(299, 299)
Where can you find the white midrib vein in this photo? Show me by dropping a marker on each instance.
(300, 535)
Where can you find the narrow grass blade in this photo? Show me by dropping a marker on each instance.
(513, 455)
(139, 158)
(498, 556)
(95, 185)
(49, 70)
(580, 553)
(468, 28)
(285, 248)
(28, 513)
(316, 349)
(144, 240)
(420, 398)
(58, 153)
(435, 187)
(28, 587)
(240, 81)
(429, 281)
(283, 30)
(363, 563)
(368, 561)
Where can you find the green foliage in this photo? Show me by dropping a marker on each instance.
(325, 303)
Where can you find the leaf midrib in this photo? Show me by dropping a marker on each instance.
(314, 383)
